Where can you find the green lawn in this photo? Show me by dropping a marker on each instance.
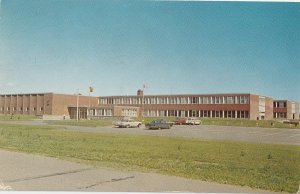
(9, 117)
(246, 123)
(265, 166)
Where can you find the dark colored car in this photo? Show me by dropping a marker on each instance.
(159, 124)
(180, 121)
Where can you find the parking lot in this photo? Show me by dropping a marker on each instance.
(232, 133)
(211, 132)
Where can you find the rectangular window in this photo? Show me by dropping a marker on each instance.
(217, 100)
(195, 113)
(217, 114)
(246, 99)
(236, 100)
(171, 101)
(205, 100)
(212, 100)
(242, 114)
(224, 100)
(246, 114)
(171, 113)
(195, 100)
(134, 101)
(162, 113)
(229, 114)
(152, 113)
(153, 101)
(108, 112)
(230, 100)
(103, 101)
(159, 101)
(200, 100)
(148, 101)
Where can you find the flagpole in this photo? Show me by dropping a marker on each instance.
(91, 89)
(88, 111)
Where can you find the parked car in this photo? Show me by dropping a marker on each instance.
(193, 121)
(159, 124)
(127, 122)
(180, 121)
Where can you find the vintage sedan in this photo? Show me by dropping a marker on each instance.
(180, 121)
(193, 121)
(127, 122)
(159, 124)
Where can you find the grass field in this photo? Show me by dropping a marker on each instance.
(246, 123)
(271, 167)
(9, 117)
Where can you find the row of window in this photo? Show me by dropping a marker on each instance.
(109, 112)
(129, 113)
(196, 113)
(21, 109)
(279, 115)
(279, 104)
(20, 95)
(177, 100)
(101, 112)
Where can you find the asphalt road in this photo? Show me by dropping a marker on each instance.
(244, 134)
(28, 172)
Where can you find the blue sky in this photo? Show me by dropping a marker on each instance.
(173, 47)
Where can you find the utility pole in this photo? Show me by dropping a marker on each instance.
(77, 105)
(91, 89)
(143, 101)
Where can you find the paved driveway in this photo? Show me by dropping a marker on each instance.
(20, 171)
(232, 133)
(246, 134)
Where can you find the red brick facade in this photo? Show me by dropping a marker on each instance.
(241, 106)
(42, 104)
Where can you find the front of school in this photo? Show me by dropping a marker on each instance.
(231, 106)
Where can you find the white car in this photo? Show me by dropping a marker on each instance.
(193, 121)
(127, 123)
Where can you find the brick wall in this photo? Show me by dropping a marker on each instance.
(254, 109)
